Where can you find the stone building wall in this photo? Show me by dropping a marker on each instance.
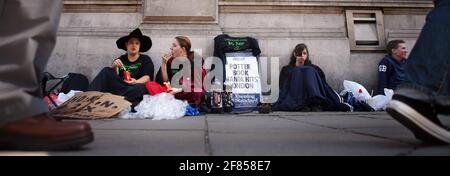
(89, 28)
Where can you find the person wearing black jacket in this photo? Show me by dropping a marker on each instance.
(391, 71)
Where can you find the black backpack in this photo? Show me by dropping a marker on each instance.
(75, 81)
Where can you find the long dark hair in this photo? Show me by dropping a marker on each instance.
(298, 50)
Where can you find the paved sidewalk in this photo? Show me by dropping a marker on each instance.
(279, 133)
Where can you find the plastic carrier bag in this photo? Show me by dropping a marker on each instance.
(358, 91)
(162, 106)
(379, 102)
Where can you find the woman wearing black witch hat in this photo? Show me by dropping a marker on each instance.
(128, 73)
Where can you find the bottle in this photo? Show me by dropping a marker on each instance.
(216, 98)
(227, 99)
(126, 74)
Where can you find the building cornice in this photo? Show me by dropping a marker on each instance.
(322, 7)
(102, 6)
(334, 3)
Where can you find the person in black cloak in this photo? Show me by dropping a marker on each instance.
(303, 86)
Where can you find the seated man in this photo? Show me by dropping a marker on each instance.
(390, 69)
(129, 73)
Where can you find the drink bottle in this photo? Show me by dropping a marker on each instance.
(126, 75)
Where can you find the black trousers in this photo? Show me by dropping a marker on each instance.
(108, 81)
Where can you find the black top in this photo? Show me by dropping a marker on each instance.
(139, 68)
(224, 44)
(172, 71)
(391, 73)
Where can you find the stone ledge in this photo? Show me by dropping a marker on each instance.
(179, 19)
(406, 11)
(403, 33)
(211, 30)
(278, 9)
(102, 6)
(153, 29)
(322, 33)
(323, 7)
(182, 29)
(93, 32)
(335, 3)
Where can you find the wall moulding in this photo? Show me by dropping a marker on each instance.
(328, 3)
(318, 6)
(322, 33)
(102, 6)
(180, 12)
(93, 32)
(403, 33)
(182, 29)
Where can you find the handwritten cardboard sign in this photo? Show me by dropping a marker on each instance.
(91, 105)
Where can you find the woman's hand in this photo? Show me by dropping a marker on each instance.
(131, 82)
(166, 58)
(117, 63)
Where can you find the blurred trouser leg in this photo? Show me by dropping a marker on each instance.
(27, 37)
(425, 93)
(428, 66)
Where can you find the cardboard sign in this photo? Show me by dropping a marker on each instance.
(91, 105)
(242, 75)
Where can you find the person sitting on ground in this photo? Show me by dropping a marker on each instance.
(139, 67)
(303, 86)
(391, 68)
(191, 79)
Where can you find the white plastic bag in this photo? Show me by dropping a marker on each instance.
(163, 106)
(62, 97)
(379, 102)
(358, 91)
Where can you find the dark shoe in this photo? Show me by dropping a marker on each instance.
(43, 132)
(420, 118)
(265, 108)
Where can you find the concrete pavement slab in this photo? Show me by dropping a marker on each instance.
(186, 123)
(278, 133)
(142, 142)
(271, 135)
